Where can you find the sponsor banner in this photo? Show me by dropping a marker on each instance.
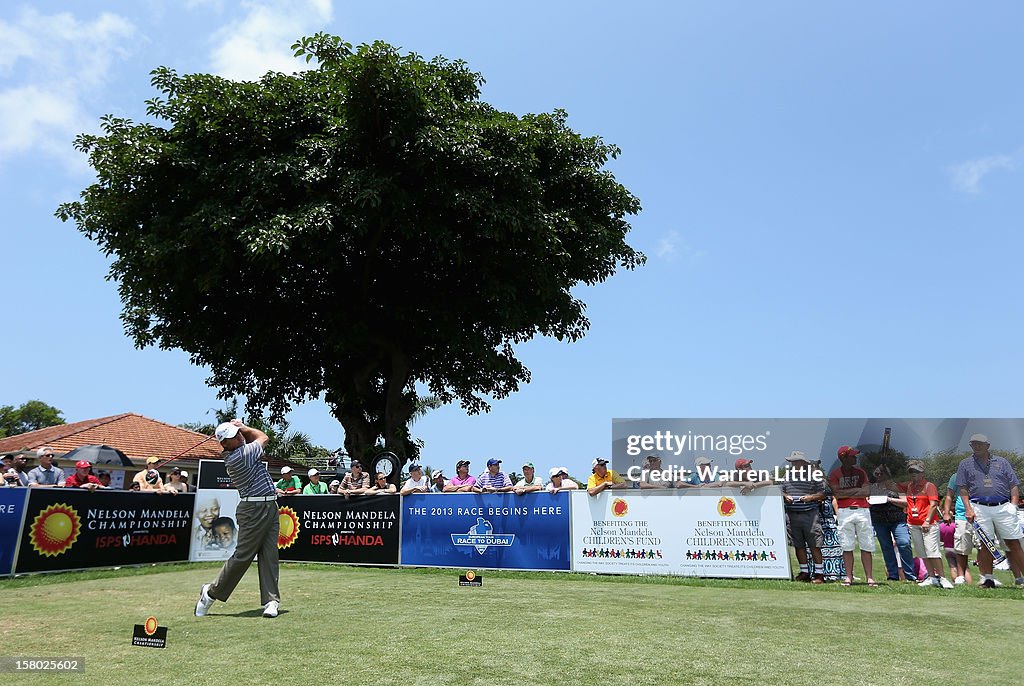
(711, 532)
(330, 528)
(12, 509)
(680, 442)
(70, 528)
(486, 531)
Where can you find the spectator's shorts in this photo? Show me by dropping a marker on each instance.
(855, 529)
(804, 529)
(926, 543)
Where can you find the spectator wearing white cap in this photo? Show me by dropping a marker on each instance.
(603, 478)
(438, 481)
(45, 475)
(702, 476)
(289, 483)
(560, 480)
(315, 486)
(332, 488)
(530, 481)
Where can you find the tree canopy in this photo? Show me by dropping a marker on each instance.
(352, 230)
(29, 416)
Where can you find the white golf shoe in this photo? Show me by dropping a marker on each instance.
(205, 601)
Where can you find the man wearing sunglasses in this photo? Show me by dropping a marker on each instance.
(46, 475)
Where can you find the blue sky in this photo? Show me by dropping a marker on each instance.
(832, 204)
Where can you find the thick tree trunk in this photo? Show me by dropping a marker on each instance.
(398, 410)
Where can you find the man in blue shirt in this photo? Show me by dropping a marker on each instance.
(990, 490)
(46, 475)
(493, 480)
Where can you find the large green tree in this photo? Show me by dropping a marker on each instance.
(354, 230)
(29, 416)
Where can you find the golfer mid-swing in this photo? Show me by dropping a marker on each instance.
(257, 517)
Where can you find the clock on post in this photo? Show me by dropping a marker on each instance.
(387, 464)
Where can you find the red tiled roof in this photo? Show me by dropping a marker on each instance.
(136, 436)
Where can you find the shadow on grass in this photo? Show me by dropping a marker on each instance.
(248, 613)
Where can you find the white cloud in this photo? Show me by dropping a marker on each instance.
(671, 247)
(967, 176)
(261, 40)
(53, 63)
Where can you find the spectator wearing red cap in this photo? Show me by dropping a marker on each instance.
(746, 477)
(83, 478)
(851, 486)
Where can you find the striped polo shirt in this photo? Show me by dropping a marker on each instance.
(801, 488)
(499, 480)
(248, 473)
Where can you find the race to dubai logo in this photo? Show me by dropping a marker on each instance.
(620, 507)
(726, 506)
(481, 536)
(55, 529)
(289, 527)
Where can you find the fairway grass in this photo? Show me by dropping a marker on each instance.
(352, 625)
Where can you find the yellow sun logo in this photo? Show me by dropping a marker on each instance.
(620, 508)
(470, 575)
(289, 527)
(726, 506)
(55, 529)
(150, 626)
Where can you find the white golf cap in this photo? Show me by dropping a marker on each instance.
(313, 471)
(597, 461)
(286, 469)
(702, 461)
(796, 456)
(225, 431)
(184, 474)
(555, 471)
(979, 438)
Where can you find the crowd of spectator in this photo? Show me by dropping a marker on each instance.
(46, 474)
(917, 528)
